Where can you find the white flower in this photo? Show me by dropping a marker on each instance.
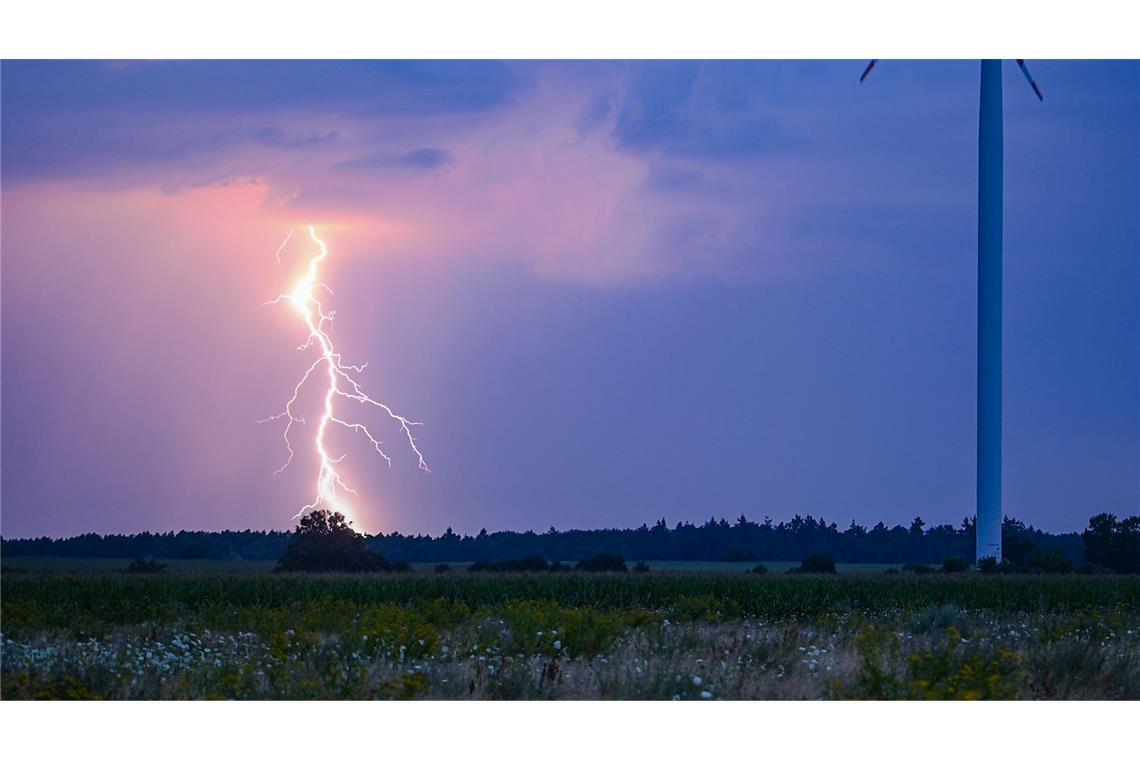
(558, 644)
(706, 695)
(697, 681)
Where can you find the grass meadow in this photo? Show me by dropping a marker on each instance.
(226, 634)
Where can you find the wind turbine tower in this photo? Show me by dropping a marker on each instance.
(989, 514)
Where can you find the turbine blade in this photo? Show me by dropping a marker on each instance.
(1029, 78)
(867, 70)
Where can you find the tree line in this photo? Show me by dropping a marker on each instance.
(742, 540)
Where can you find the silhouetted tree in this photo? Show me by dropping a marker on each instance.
(1112, 543)
(324, 542)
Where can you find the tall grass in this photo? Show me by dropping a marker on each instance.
(568, 635)
(30, 601)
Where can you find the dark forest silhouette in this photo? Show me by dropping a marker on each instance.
(716, 540)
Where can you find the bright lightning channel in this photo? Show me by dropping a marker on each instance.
(329, 487)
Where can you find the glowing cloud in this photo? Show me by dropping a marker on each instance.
(329, 485)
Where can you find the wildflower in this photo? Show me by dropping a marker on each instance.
(697, 681)
(706, 695)
(558, 644)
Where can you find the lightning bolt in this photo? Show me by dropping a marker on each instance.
(341, 384)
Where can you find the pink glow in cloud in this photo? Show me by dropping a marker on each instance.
(521, 250)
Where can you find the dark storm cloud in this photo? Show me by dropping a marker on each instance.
(185, 87)
(674, 179)
(275, 138)
(78, 118)
(700, 110)
(421, 159)
(595, 113)
(669, 289)
(35, 147)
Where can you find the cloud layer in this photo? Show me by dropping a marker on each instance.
(612, 291)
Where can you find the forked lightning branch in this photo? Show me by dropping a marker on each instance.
(340, 385)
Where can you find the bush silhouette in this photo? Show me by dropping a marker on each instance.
(816, 563)
(1048, 561)
(145, 565)
(603, 563)
(989, 565)
(522, 565)
(324, 542)
(955, 564)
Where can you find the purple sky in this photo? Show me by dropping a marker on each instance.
(610, 291)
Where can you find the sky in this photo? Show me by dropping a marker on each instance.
(610, 291)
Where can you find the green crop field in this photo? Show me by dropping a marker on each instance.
(569, 635)
(111, 564)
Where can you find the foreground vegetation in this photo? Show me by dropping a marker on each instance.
(569, 635)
